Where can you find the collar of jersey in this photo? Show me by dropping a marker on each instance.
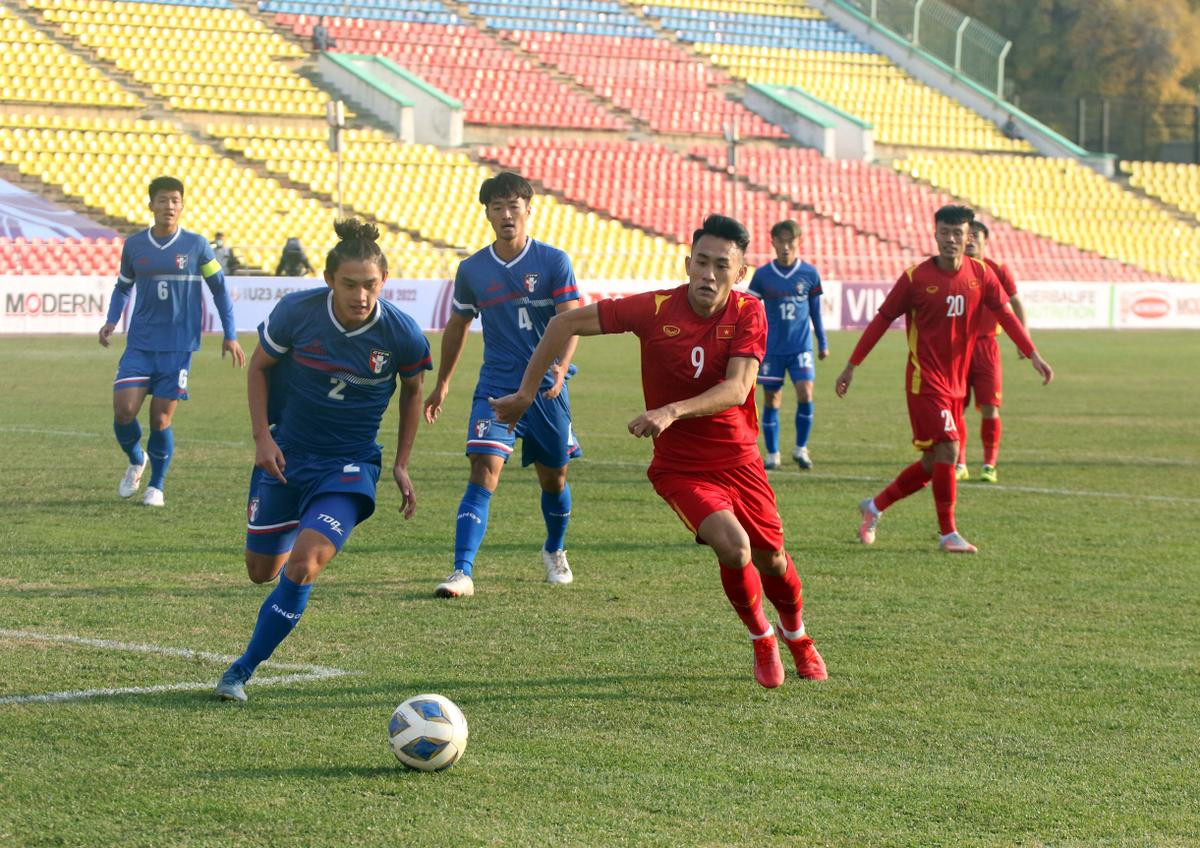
(517, 258)
(795, 267)
(166, 244)
(348, 333)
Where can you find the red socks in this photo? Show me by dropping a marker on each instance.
(945, 492)
(910, 480)
(989, 434)
(785, 593)
(744, 590)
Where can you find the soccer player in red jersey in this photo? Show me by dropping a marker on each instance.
(985, 377)
(942, 300)
(701, 347)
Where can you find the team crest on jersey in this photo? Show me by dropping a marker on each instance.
(180, 261)
(252, 510)
(531, 282)
(482, 425)
(724, 331)
(931, 289)
(379, 360)
(671, 330)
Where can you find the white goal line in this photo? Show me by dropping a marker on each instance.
(300, 672)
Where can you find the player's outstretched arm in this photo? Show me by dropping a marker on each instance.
(560, 332)
(740, 374)
(454, 340)
(267, 454)
(563, 362)
(843, 381)
(410, 418)
(1042, 367)
(232, 347)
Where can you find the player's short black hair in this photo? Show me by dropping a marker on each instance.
(505, 184)
(978, 226)
(165, 184)
(954, 215)
(723, 227)
(356, 240)
(789, 229)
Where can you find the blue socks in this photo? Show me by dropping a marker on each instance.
(804, 419)
(770, 429)
(278, 616)
(129, 437)
(160, 446)
(471, 526)
(556, 509)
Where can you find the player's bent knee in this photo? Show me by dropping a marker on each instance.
(262, 568)
(770, 562)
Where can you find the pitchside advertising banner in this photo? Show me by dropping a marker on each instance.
(79, 304)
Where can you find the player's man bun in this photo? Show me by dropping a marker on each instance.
(356, 240)
(352, 229)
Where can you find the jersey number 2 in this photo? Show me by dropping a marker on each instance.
(338, 387)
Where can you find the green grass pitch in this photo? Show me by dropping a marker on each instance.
(1044, 692)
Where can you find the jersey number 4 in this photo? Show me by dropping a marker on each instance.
(523, 319)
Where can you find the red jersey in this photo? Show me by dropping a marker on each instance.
(989, 325)
(684, 355)
(942, 312)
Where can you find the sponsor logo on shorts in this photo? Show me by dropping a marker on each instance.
(482, 426)
(252, 510)
(671, 330)
(334, 524)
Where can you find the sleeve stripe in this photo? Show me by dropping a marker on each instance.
(270, 341)
(210, 267)
(465, 307)
(122, 278)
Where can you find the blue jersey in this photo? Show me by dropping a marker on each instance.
(792, 298)
(517, 299)
(168, 313)
(331, 386)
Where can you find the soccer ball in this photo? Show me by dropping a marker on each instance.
(428, 733)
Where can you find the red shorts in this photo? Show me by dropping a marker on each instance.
(744, 491)
(934, 419)
(986, 377)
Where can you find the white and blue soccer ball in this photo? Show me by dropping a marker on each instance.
(428, 733)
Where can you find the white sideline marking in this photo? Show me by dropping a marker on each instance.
(79, 434)
(302, 672)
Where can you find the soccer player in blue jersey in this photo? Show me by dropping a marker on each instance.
(326, 367)
(791, 293)
(517, 285)
(166, 264)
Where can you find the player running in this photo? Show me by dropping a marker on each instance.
(791, 293)
(327, 364)
(942, 300)
(166, 264)
(701, 345)
(517, 285)
(985, 377)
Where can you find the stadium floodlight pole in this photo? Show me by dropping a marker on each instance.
(335, 116)
(731, 139)
(916, 31)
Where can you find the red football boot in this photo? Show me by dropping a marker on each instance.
(809, 663)
(768, 670)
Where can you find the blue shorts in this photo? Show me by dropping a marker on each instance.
(273, 510)
(545, 431)
(163, 375)
(799, 366)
